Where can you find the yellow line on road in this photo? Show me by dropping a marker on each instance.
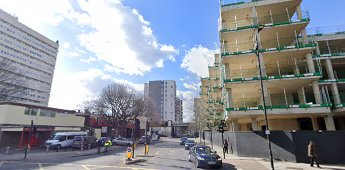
(40, 166)
(85, 167)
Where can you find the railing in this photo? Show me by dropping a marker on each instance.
(301, 106)
(235, 2)
(291, 76)
(279, 48)
(320, 31)
(265, 21)
(329, 55)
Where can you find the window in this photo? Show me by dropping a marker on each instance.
(46, 113)
(32, 112)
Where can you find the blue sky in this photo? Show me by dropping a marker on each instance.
(134, 41)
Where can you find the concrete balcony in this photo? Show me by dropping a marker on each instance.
(287, 110)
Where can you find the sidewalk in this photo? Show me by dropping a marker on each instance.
(250, 163)
(51, 155)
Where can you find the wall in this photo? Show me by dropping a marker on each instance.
(286, 146)
(283, 124)
(15, 115)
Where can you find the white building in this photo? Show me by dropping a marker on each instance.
(163, 95)
(33, 54)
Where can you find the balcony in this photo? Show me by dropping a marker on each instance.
(267, 50)
(332, 55)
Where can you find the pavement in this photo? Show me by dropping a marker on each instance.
(250, 163)
(164, 155)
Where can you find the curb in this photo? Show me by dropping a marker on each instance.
(144, 156)
(133, 161)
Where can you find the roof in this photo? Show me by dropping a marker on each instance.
(37, 107)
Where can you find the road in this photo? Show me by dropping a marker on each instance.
(166, 155)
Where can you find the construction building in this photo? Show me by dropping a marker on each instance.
(303, 75)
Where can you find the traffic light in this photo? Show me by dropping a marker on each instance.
(221, 127)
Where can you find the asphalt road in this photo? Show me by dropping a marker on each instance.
(166, 155)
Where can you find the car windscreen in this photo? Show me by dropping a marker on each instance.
(203, 150)
(190, 141)
(184, 139)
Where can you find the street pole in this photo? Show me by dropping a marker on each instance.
(30, 134)
(222, 131)
(133, 136)
(211, 139)
(263, 98)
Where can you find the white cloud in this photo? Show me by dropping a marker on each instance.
(70, 89)
(38, 13)
(121, 37)
(115, 34)
(197, 60)
(193, 86)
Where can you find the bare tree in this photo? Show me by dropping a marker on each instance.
(12, 81)
(117, 104)
(200, 116)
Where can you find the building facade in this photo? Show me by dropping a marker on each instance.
(163, 94)
(15, 122)
(179, 111)
(301, 74)
(33, 54)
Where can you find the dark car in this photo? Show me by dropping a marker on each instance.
(183, 140)
(143, 140)
(84, 141)
(203, 156)
(188, 144)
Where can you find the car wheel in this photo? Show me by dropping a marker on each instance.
(58, 146)
(189, 158)
(197, 163)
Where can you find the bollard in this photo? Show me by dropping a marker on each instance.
(47, 148)
(7, 150)
(89, 146)
(81, 147)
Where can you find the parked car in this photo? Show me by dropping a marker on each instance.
(143, 140)
(62, 139)
(122, 141)
(203, 156)
(84, 141)
(183, 140)
(189, 144)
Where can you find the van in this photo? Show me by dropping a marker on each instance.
(84, 141)
(63, 139)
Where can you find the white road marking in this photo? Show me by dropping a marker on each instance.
(85, 167)
(157, 152)
(40, 166)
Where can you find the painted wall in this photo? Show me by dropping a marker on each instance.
(10, 114)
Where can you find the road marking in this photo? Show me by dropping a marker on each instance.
(40, 167)
(2, 163)
(157, 152)
(85, 167)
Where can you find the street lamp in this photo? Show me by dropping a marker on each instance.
(257, 52)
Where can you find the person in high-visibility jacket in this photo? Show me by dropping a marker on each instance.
(107, 145)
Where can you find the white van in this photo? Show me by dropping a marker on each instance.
(63, 139)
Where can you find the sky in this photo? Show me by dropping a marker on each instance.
(135, 41)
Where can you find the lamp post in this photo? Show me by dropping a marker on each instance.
(257, 52)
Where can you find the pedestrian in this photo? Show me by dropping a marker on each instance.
(311, 155)
(226, 146)
(107, 145)
(99, 145)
